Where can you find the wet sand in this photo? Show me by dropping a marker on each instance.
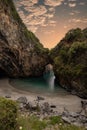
(70, 102)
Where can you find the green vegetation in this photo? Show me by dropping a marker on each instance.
(13, 12)
(74, 35)
(30, 37)
(56, 120)
(8, 114)
(70, 60)
(31, 123)
(38, 47)
(85, 32)
(52, 123)
(12, 119)
(28, 34)
(78, 46)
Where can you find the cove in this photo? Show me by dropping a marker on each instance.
(45, 84)
(38, 85)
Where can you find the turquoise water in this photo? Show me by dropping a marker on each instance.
(37, 85)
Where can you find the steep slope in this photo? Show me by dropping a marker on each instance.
(21, 53)
(70, 61)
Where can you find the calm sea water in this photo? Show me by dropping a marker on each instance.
(37, 85)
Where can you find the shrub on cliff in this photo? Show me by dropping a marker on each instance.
(70, 61)
(74, 35)
(8, 114)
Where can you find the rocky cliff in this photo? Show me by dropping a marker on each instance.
(21, 53)
(70, 61)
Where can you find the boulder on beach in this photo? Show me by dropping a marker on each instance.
(22, 100)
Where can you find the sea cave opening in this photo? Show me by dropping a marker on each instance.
(3, 73)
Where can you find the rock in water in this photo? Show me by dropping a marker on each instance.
(21, 53)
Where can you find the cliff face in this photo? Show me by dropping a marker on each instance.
(70, 61)
(21, 53)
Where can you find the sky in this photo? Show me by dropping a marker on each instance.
(50, 20)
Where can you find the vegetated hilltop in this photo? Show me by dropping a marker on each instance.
(70, 61)
(21, 53)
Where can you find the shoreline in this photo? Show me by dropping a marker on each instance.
(70, 102)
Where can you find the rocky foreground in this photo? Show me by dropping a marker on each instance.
(42, 109)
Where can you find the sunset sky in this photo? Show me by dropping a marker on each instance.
(51, 19)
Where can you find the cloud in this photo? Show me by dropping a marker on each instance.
(65, 3)
(49, 15)
(81, 3)
(28, 2)
(37, 21)
(72, 5)
(74, 12)
(31, 20)
(53, 3)
(65, 26)
(36, 10)
(34, 1)
(52, 22)
(74, 20)
(79, 20)
(35, 15)
(49, 32)
(25, 3)
(51, 9)
(71, 13)
(72, 0)
(85, 20)
(34, 28)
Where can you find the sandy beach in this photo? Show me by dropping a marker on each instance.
(70, 102)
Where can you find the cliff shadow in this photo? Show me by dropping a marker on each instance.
(3, 74)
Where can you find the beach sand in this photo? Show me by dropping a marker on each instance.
(70, 102)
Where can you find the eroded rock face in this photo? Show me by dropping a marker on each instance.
(70, 61)
(48, 67)
(21, 53)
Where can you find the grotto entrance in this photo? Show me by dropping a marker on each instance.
(2, 73)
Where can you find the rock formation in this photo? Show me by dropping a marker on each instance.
(21, 53)
(70, 61)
